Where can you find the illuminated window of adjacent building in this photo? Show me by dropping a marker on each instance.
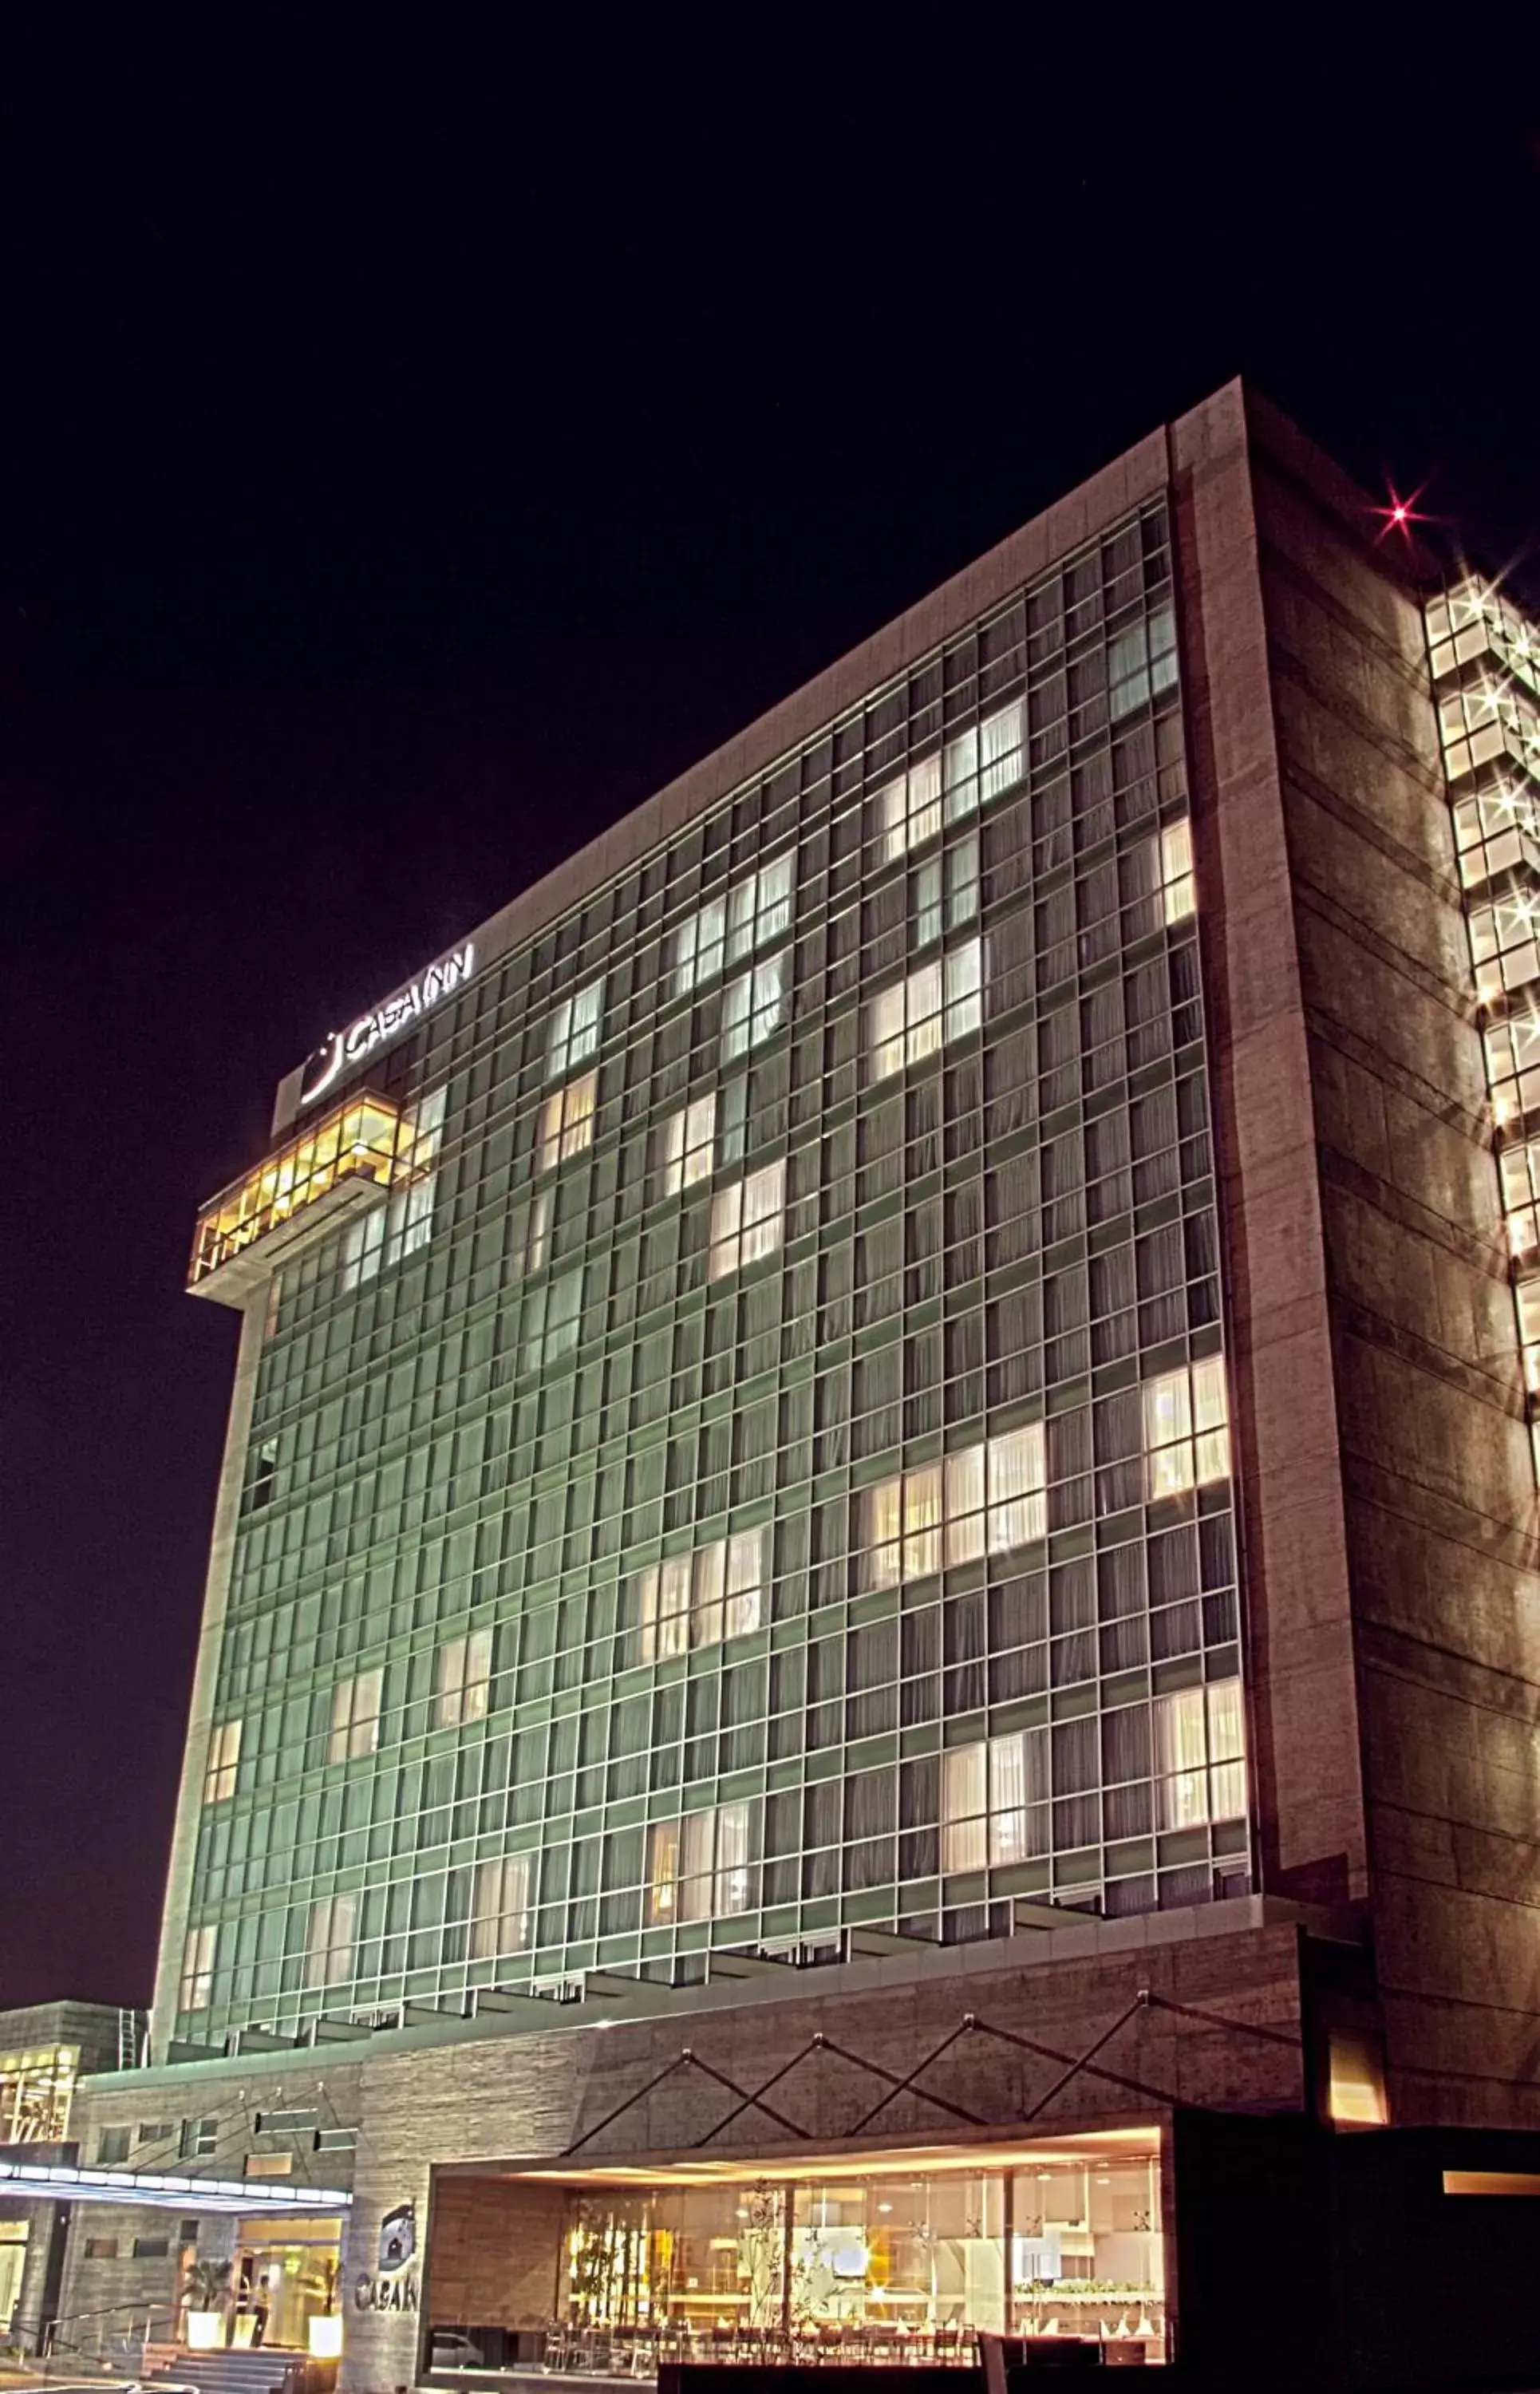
(1179, 890)
(1355, 2084)
(753, 1007)
(918, 1015)
(974, 767)
(947, 891)
(500, 1915)
(754, 912)
(355, 1716)
(747, 1219)
(224, 1757)
(566, 1124)
(701, 1599)
(1198, 1736)
(1527, 1295)
(462, 1680)
(197, 1982)
(1186, 1439)
(1141, 661)
(995, 1801)
(1519, 1165)
(983, 1499)
(699, 1868)
(552, 1318)
(688, 1140)
(574, 1031)
(329, 1941)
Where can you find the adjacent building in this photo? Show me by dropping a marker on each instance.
(871, 1653)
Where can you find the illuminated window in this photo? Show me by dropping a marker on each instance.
(462, 1680)
(1198, 1736)
(264, 1473)
(701, 1599)
(975, 767)
(1528, 1297)
(197, 1985)
(753, 1007)
(1141, 661)
(1497, 831)
(224, 1757)
(355, 1716)
(1520, 1170)
(552, 1318)
(688, 1140)
(918, 1015)
(1178, 891)
(995, 1801)
(573, 1032)
(947, 891)
(1513, 1065)
(983, 1499)
(538, 1245)
(1505, 944)
(699, 1868)
(1186, 1440)
(754, 912)
(747, 1219)
(329, 1941)
(500, 1915)
(388, 1233)
(566, 1124)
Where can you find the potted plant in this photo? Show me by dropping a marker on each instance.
(323, 2331)
(205, 2289)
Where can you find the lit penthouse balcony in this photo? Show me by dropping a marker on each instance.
(345, 1163)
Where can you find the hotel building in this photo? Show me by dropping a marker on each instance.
(871, 1653)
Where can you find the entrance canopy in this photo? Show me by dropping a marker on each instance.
(156, 2192)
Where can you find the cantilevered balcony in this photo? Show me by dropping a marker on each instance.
(348, 1160)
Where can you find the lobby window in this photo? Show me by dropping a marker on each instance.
(1186, 1438)
(197, 1982)
(552, 1318)
(947, 891)
(224, 1757)
(463, 1680)
(747, 1219)
(699, 1599)
(1199, 1744)
(689, 1136)
(500, 1917)
(919, 1014)
(1141, 661)
(572, 1033)
(995, 1801)
(754, 912)
(983, 1499)
(566, 1124)
(1179, 890)
(355, 1716)
(753, 1008)
(329, 1941)
(698, 1868)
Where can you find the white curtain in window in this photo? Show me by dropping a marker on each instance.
(964, 1807)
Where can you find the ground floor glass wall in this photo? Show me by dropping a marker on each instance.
(1061, 2242)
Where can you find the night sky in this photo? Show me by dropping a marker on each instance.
(413, 456)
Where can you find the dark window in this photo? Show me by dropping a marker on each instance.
(152, 2248)
(112, 2146)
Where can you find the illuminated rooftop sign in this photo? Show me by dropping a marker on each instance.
(340, 1049)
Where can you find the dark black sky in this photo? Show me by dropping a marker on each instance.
(411, 451)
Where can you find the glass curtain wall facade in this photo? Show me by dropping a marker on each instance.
(774, 1475)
